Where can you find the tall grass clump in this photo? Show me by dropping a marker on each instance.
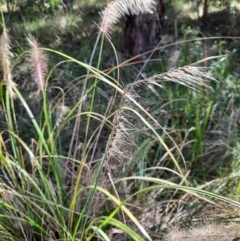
(78, 171)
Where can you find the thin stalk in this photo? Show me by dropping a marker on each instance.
(89, 200)
(94, 92)
(105, 78)
(46, 148)
(52, 159)
(78, 119)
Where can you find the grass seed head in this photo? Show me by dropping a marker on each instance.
(39, 64)
(5, 54)
(119, 8)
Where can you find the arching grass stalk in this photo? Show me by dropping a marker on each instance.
(120, 205)
(109, 16)
(87, 206)
(110, 220)
(198, 192)
(33, 201)
(44, 145)
(8, 103)
(78, 119)
(89, 201)
(160, 184)
(39, 73)
(94, 90)
(54, 165)
(189, 76)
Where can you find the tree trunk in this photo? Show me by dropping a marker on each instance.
(67, 5)
(143, 32)
(205, 9)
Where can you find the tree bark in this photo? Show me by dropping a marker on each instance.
(205, 9)
(143, 32)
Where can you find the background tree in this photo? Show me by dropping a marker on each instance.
(143, 32)
(67, 5)
(206, 4)
(205, 9)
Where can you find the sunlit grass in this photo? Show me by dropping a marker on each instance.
(136, 162)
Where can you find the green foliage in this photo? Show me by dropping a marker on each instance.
(83, 155)
(36, 5)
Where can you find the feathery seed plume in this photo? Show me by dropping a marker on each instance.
(119, 8)
(176, 234)
(205, 231)
(39, 64)
(123, 144)
(5, 57)
(190, 76)
(62, 110)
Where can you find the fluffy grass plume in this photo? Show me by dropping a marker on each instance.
(123, 143)
(39, 64)
(6, 64)
(205, 231)
(119, 8)
(123, 139)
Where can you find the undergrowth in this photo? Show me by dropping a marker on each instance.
(94, 159)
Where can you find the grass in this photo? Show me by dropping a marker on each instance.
(87, 157)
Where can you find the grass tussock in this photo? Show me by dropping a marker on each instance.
(94, 159)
